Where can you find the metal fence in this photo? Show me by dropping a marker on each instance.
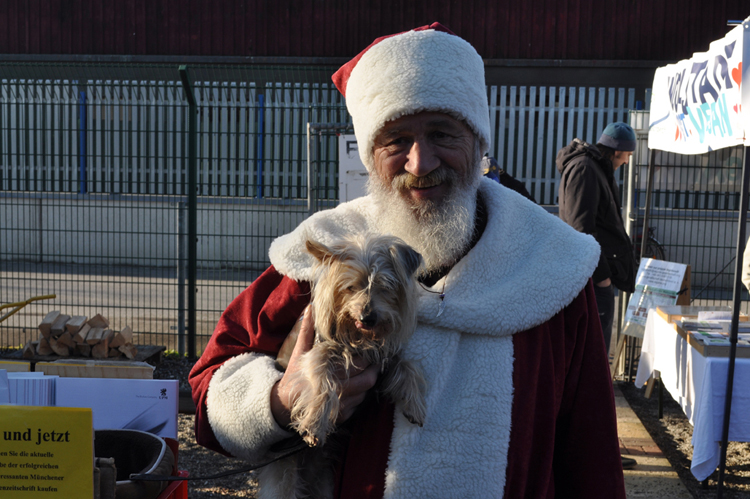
(117, 136)
(694, 212)
(129, 137)
(530, 124)
(94, 170)
(693, 219)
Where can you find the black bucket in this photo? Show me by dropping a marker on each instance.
(135, 452)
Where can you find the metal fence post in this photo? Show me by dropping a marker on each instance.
(316, 130)
(181, 271)
(82, 126)
(192, 246)
(261, 139)
(310, 174)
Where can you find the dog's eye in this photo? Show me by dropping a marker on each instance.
(350, 289)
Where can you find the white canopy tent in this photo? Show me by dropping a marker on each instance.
(699, 105)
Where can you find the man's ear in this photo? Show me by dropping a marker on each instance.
(410, 259)
(319, 251)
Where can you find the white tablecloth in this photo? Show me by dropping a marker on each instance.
(698, 384)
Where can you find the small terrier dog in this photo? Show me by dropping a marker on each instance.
(364, 303)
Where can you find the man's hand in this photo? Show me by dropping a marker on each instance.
(606, 282)
(355, 383)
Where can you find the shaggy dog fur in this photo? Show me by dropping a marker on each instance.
(364, 303)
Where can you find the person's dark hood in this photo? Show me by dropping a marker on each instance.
(572, 151)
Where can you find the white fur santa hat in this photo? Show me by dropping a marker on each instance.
(425, 69)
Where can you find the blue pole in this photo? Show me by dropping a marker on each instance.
(81, 142)
(261, 115)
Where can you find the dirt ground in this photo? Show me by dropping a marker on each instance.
(200, 461)
(197, 460)
(672, 434)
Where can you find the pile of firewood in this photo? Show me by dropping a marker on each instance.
(80, 336)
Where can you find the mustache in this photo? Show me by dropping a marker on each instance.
(437, 176)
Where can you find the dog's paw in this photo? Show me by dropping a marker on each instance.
(415, 410)
(415, 419)
(310, 439)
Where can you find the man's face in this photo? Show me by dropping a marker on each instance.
(424, 180)
(620, 158)
(423, 157)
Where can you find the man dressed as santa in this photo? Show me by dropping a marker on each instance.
(519, 400)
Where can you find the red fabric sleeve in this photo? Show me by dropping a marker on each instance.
(257, 320)
(564, 426)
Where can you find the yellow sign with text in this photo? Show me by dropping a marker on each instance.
(46, 452)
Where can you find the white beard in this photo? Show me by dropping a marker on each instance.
(440, 233)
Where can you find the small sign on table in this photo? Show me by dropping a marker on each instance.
(657, 283)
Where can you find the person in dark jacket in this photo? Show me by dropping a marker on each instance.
(589, 202)
(491, 169)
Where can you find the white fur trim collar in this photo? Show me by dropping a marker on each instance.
(527, 266)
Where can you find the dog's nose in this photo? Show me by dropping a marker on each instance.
(369, 319)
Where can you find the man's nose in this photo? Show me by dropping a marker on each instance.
(421, 158)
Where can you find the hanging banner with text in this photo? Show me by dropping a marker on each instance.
(697, 104)
(46, 452)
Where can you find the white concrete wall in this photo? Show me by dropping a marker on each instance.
(138, 233)
(143, 233)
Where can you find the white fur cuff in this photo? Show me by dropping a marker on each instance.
(239, 406)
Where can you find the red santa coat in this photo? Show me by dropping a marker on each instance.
(519, 398)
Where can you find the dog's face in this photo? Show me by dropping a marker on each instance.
(363, 290)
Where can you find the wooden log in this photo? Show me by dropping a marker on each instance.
(29, 350)
(95, 335)
(117, 340)
(58, 327)
(98, 321)
(114, 352)
(75, 324)
(108, 334)
(129, 350)
(46, 324)
(83, 349)
(43, 348)
(125, 335)
(101, 349)
(60, 349)
(80, 337)
(66, 339)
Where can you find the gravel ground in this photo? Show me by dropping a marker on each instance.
(672, 434)
(197, 460)
(200, 461)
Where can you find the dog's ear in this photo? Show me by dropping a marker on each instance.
(319, 251)
(410, 259)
